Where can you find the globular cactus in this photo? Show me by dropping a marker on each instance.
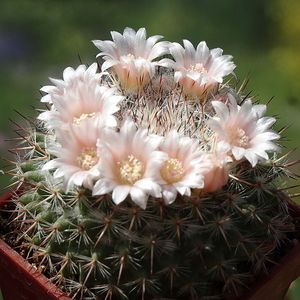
(148, 177)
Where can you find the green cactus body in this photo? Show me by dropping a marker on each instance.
(194, 248)
(200, 246)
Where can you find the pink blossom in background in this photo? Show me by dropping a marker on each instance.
(218, 173)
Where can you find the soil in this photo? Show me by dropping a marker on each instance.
(11, 233)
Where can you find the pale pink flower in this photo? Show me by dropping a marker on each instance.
(78, 156)
(245, 129)
(219, 162)
(200, 70)
(184, 168)
(80, 96)
(129, 163)
(131, 55)
(70, 78)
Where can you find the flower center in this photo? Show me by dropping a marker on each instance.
(88, 158)
(238, 137)
(197, 68)
(172, 170)
(82, 117)
(131, 170)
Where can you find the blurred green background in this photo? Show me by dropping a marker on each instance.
(39, 38)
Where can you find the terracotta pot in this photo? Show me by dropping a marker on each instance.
(20, 280)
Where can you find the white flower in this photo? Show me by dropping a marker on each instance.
(129, 163)
(184, 167)
(70, 77)
(245, 129)
(77, 158)
(131, 55)
(80, 96)
(199, 70)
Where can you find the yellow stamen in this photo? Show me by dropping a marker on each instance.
(82, 117)
(130, 55)
(172, 170)
(197, 68)
(88, 158)
(238, 137)
(131, 170)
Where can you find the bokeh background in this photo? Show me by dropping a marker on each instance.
(39, 38)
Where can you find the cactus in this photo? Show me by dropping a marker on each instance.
(148, 177)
